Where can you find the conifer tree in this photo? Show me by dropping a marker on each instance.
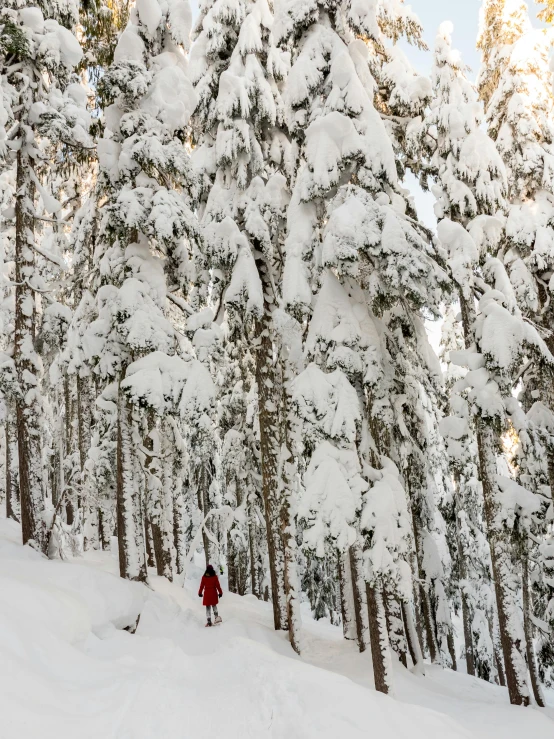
(355, 229)
(146, 180)
(242, 160)
(515, 85)
(48, 118)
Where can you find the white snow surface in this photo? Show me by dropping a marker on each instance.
(66, 671)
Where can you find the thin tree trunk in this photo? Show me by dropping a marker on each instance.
(84, 424)
(360, 596)
(287, 477)
(12, 483)
(427, 611)
(268, 403)
(28, 403)
(347, 607)
(395, 626)
(179, 533)
(67, 433)
(163, 557)
(452, 650)
(466, 618)
(506, 597)
(254, 585)
(103, 536)
(204, 506)
(531, 658)
(380, 649)
(414, 645)
(132, 562)
(231, 564)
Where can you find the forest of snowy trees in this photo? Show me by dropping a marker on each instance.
(215, 295)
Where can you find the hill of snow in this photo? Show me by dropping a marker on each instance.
(68, 669)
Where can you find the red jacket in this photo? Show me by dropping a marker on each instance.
(211, 588)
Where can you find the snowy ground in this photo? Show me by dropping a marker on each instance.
(67, 669)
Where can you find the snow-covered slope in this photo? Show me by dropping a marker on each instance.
(66, 670)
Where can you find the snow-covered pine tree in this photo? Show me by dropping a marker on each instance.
(470, 181)
(242, 158)
(515, 83)
(347, 213)
(240, 461)
(470, 191)
(8, 382)
(141, 253)
(49, 117)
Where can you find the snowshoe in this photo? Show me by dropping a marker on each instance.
(208, 624)
(218, 620)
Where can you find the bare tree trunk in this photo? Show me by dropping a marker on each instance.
(149, 543)
(12, 482)
(347, 607)
(395, 626)
(163, 557)
(287, 477)
(380, 649)
(254, 584)
(268, 402)
(231, 565)
(178, 532)
(506, 597)
(531, 658)
(452, 650)
(130, 527)
(84, 426)
(360, 596)
(466, 618)
(67, 432)
(28, 402)
(426, 608)
(414, 645)
(204, 506)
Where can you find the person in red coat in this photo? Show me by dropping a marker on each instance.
(211, 589)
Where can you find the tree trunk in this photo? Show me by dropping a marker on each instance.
(130, 528)
(204, 506)
(84, 424)
(468, 638)
(360, 596)
(347, 607)
(452, 650)
(268, 404)
(292, 583)
(27, 365)
(149, 542)
(531, 658)
(466, 617)
(254, 584)
(506, 596)
(231, 564)
(163, 557)
(179, 532)
(103, 535)
(380, 649)
(67, 433)
(395, 626)
(427, 611)
(12, 482)
(414, 645)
